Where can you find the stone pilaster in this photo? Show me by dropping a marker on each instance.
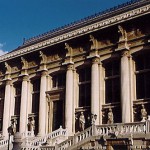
(42, 105)
(125, 88)
(7, 100)
(69, 99)
(24, 104)
(95, 106)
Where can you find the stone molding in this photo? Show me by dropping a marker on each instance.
(78, 32)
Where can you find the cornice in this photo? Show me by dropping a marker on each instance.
(79, 32)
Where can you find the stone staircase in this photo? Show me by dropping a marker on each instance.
(94, 137)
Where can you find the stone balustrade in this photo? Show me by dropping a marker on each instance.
(120, 128)
(40, 140)
(4, 143)
(48, 148)
(78, 137)
(94, 130)
(31, 148)
(28, 134)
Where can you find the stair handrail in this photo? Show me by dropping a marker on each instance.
(41, 140)
(78, 137)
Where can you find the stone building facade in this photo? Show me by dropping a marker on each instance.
(92, 72)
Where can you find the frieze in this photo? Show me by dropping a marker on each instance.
(53, 57)
(1, 73)
(78, 32)
(15, 69)
(32, 64)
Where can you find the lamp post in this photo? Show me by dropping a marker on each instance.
(10, 132)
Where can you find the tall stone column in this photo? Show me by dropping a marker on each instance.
(95, 105)
(24, 104)
(125, 88)
(69, 99)
(42, 105)
(6, 117)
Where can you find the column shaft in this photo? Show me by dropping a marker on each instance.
(42, 106)
(69, 100)
(6, 117)
(24, 104)
(125, 88)
(95, 105)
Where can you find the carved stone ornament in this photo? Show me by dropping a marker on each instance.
(110, 117)
(8, 68)
(14, 69)
(78, 32)
(1, 73)
(94, 42)
(53, 57)
(143, 114)
(32, 64)
(122, 34)
(24, 63)
(43, 57)
(69, 49)
(122, 38)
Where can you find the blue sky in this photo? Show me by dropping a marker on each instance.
(27, 18)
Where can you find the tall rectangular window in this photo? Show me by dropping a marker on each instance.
(2, 96)
(35, 96)
(17, 99)
(85, 87)
(142, 72)
(112, 81)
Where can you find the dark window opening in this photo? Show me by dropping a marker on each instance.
(142, 66)
(112, 81)
(17, 99)
(85, 87)
(59, 80)
(35, 96)
(2, 96)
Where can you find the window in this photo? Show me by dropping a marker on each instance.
(85, 87)
(17, 99)
(35, 96)
(59, 80)
(112, 81)
(142, 66)
(2, 95)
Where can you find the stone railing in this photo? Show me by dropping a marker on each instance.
(4, 143)
(120, 128)
(28, 134)
(94, 130)
(48, 148)
(31, 148)
(78, 137)
(41, 140)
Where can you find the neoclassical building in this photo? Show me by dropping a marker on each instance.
(93, 74)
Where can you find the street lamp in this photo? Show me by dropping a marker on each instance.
(10, 132)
